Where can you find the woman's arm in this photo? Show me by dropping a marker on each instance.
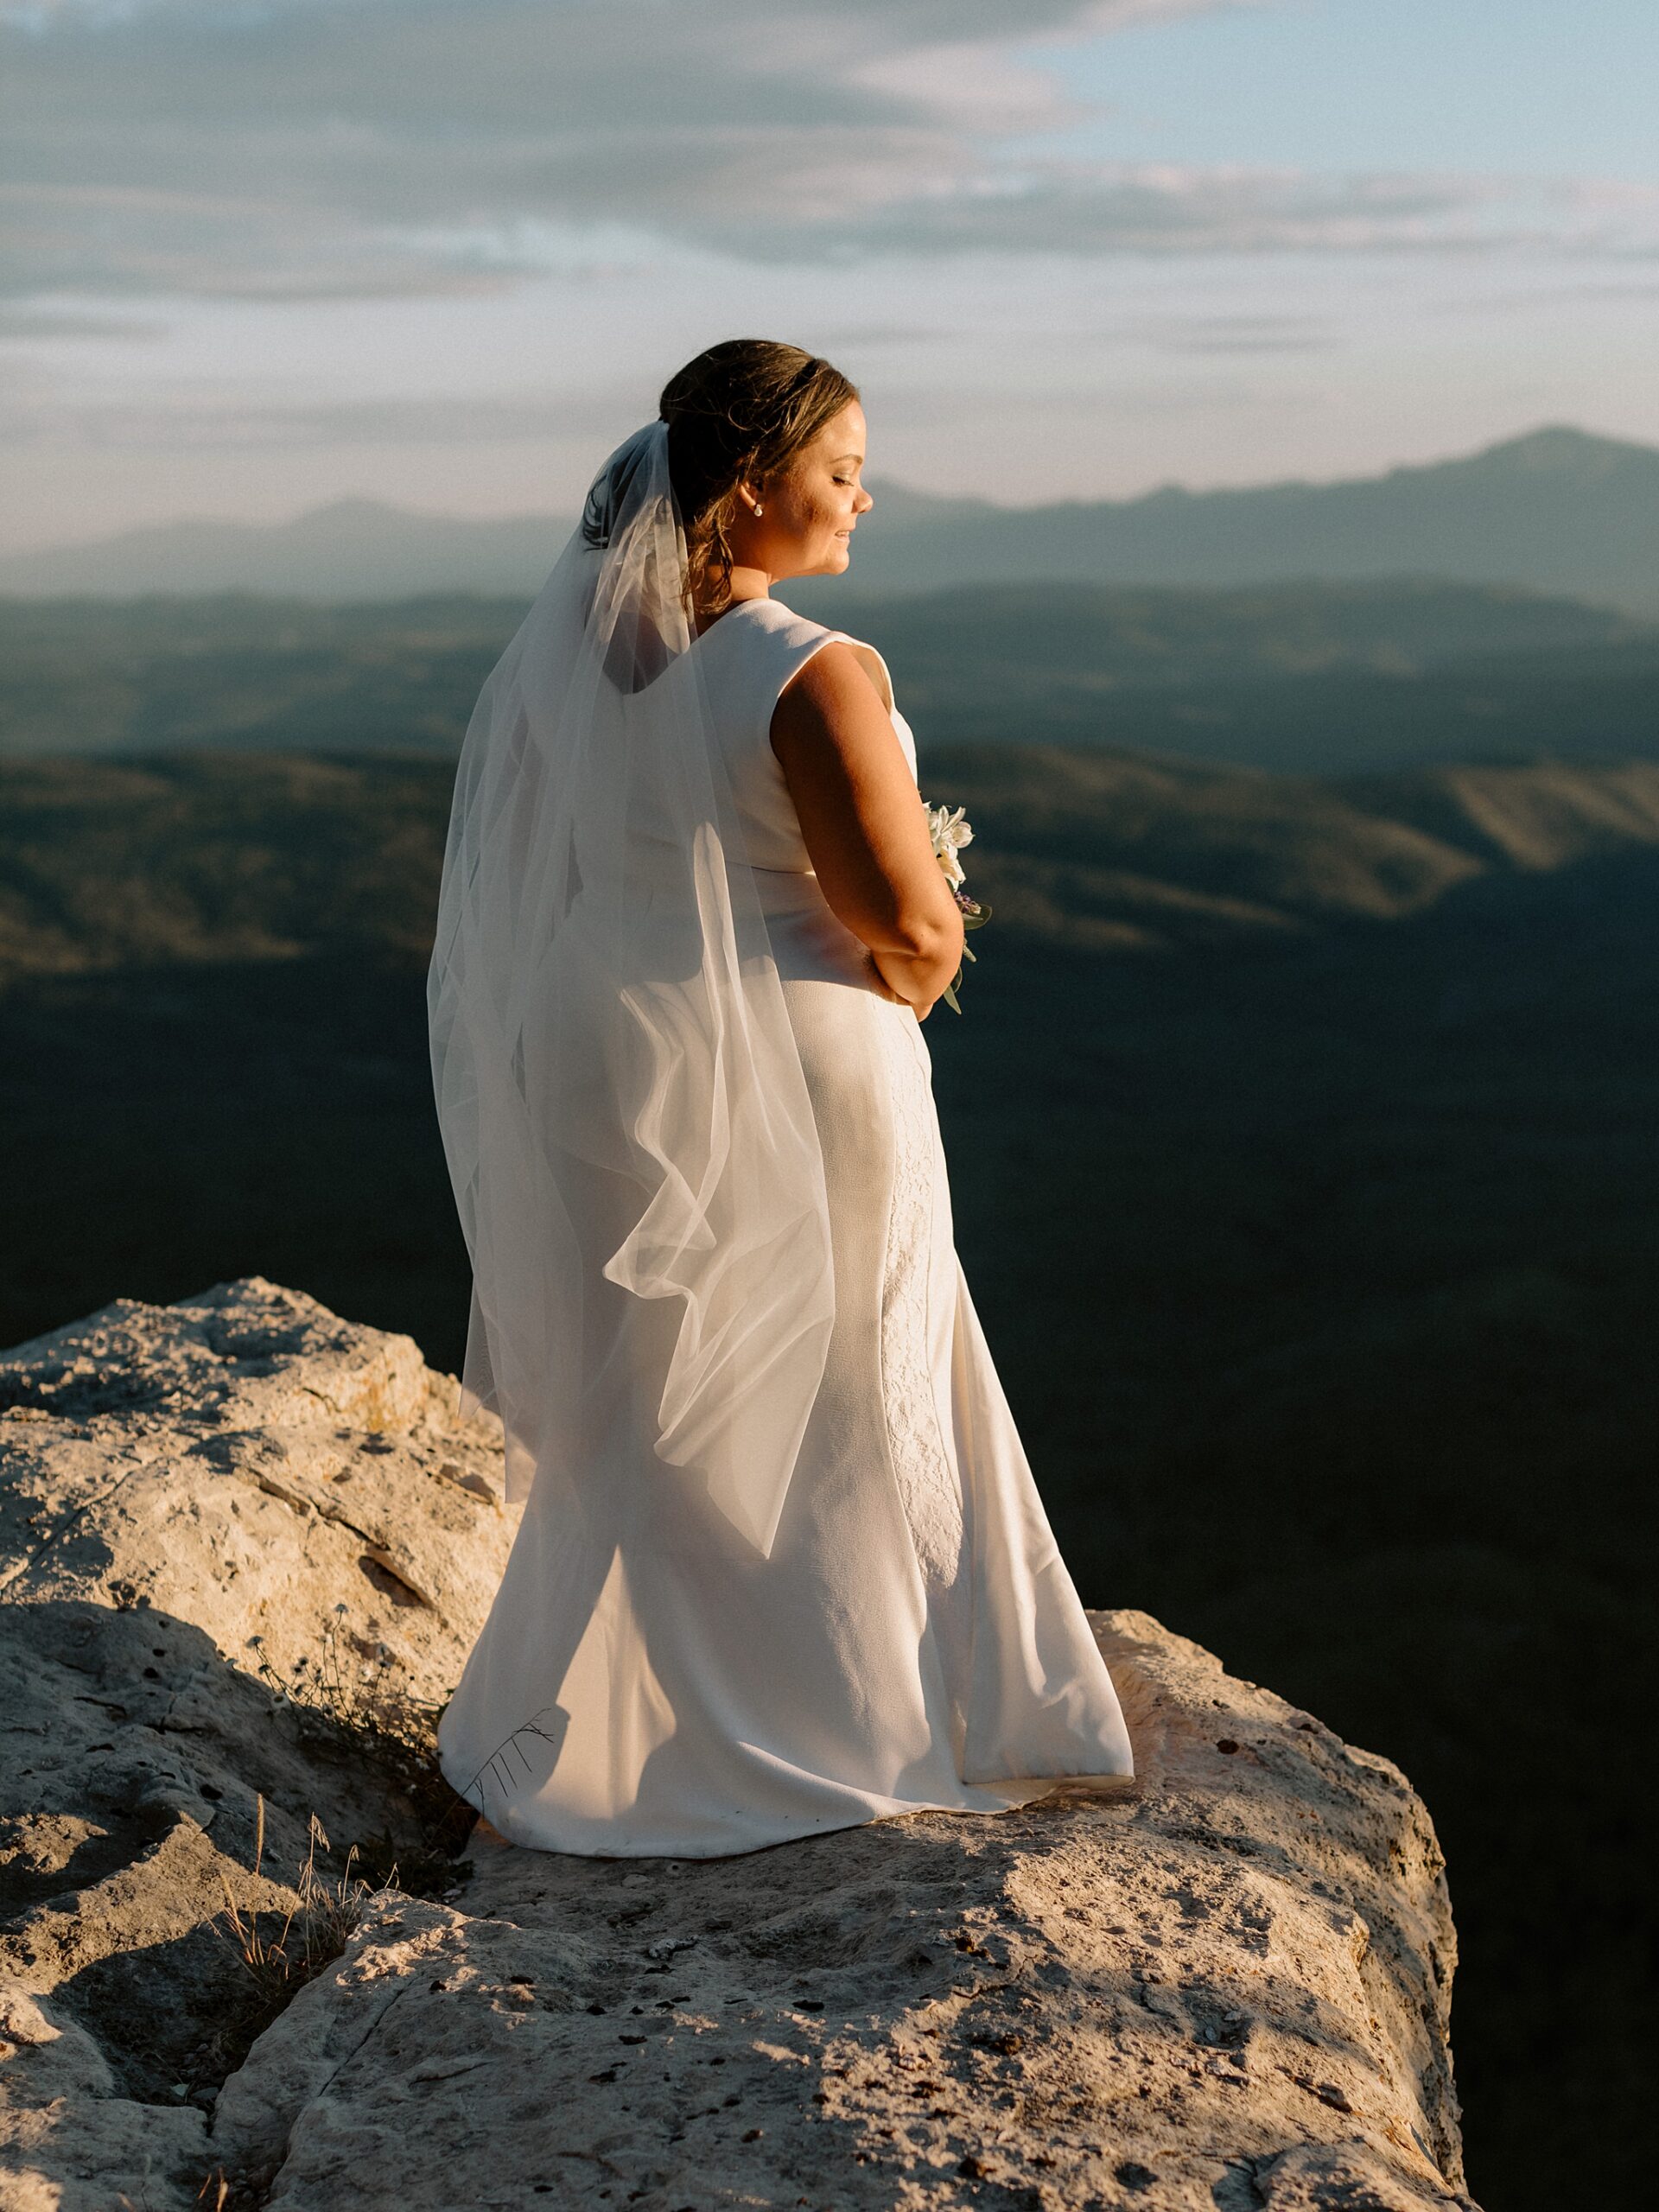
(865, 824)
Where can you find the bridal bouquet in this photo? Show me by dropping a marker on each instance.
(950, 830)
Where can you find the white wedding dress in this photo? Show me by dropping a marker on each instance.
(914, 1641)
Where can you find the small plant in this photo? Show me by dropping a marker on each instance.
(354, 1691)
(316, 1929)
(279, 1949)
(247, 2190)
(353, 1683)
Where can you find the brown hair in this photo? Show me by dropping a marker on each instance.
(743, 407)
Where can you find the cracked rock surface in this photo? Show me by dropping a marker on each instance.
(1224, 1986)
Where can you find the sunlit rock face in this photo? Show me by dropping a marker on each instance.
(237, 1532)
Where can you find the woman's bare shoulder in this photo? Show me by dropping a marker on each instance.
(827, 668)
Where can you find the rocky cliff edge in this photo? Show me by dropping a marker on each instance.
(244, 1546)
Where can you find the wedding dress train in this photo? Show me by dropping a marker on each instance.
(913, 1640)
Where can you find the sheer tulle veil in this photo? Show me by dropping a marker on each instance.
(621, 1100)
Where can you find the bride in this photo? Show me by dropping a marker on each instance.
(782, 1567)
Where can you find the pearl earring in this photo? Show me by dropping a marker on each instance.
(759, 509)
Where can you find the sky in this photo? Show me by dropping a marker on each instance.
(257, 255)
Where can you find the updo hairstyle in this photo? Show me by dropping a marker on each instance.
(743, 407)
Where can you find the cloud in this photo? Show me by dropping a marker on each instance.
(1095, 208)
(29, 322)
(230, 421)
(1241, 334)
(317, 148)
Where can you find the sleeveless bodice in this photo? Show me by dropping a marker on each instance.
(745, 658)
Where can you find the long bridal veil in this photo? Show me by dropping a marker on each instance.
(621, 1100)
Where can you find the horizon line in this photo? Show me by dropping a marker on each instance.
(46, 548)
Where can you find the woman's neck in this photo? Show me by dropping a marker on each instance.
(705, 618)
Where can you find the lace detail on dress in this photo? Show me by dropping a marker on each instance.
(928, 1485)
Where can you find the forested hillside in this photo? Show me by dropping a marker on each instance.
(1318, 677)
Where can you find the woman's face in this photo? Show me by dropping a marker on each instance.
(807, 518)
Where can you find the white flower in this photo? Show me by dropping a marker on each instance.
(950, 829)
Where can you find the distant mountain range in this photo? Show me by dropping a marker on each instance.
(1558, 510)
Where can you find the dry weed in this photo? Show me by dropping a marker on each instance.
(316, 1929)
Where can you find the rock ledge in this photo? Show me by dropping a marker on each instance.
(1224, 1987)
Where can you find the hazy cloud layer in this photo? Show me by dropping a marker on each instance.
(262, 253)
(33, 410)
(317, 148)
(36, 408)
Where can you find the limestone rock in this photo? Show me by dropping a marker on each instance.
(1224, 1986)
